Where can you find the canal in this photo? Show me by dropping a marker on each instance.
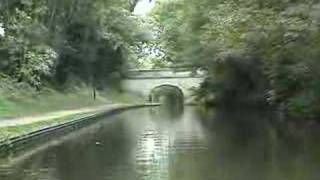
(153, 144)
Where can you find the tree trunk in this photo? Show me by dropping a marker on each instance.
(94, 93)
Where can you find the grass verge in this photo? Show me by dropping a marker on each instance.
(15, 131)
(17, 103)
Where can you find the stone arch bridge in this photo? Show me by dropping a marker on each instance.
(143, 82)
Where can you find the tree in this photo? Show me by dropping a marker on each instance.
(239, 38)
(67, 40)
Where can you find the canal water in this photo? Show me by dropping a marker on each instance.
(153, 144)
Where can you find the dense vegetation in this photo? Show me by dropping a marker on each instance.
(58, 42)
(256, 51)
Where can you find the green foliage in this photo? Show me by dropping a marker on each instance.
(61, 41)
(248, 42)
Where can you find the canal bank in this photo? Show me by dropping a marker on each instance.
(18, 134)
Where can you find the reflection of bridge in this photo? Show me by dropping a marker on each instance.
(143, 82)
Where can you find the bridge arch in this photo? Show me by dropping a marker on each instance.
(173, 92)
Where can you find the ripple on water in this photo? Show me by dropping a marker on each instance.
(152, 155)
(157, 149)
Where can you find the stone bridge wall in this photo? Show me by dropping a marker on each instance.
(144, 81)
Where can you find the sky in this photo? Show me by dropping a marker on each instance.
(1, 30)
(144, 7)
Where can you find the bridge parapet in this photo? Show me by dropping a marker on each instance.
(163, 73)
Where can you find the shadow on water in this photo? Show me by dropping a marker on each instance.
(80, 155)
(250, 144)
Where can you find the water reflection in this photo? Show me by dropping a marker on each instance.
(152, 157)
(164, 140)
(238, 144)
(166, 112)
(249, 145)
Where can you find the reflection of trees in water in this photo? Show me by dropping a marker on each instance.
(99, 150)
(247, 144)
